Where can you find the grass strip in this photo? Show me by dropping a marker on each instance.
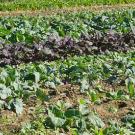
(15, 5)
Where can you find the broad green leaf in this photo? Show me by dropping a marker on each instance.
(72, 113)
(18, 105)
(95, 120)
(57, 121)
(4, 91)
(83, 109)
(84, 85)
(4, 32)
(37, 77)
(50, 85)
(41, 95)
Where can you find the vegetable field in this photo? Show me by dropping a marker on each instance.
(69, 73)
(12, 5)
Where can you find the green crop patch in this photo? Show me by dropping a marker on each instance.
(92, 75)
(34, 29)
(67, 74)
(11, 5)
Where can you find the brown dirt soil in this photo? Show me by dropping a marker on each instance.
(95, 8)
(11, 122)
(122, 108)
(68, 93)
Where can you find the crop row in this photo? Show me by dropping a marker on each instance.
(114, 68)
(59, 48)
(40, 80)
(11, 5)
(28, 85)
(34, 29)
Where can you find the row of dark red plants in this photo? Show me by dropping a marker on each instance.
(55, 48)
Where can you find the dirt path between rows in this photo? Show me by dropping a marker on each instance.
(95, 8)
